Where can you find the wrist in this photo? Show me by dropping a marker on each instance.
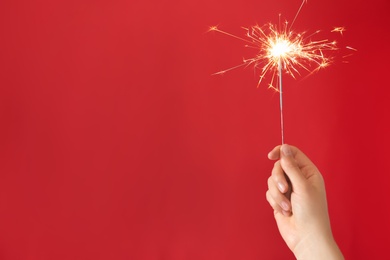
(318, 247)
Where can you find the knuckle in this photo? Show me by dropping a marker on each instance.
(269, 181)
(271, 202)
(267, 195)
(277, 163)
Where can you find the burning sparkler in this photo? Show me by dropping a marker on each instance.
(282, 50)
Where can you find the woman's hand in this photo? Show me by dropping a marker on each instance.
(296, 192)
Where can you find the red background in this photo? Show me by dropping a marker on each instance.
(117, 143)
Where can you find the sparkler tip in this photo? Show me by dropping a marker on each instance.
(279, 46)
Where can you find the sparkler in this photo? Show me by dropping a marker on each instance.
(280, 49)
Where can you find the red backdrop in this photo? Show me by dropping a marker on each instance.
(117, 143)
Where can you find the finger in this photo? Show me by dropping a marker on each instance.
(277, 197)
(289, 164)
(275, 153)
(276, 208)
(279, 178)
(281, 216)
(300, 157)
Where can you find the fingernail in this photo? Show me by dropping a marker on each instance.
(286, 150)
(285, 206)
(281, 187)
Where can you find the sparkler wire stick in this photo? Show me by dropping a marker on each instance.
(281, 98)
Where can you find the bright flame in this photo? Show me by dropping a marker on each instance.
(296, 51)
(280, 48)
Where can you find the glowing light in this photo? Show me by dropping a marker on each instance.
(295, 51)
(279, 49)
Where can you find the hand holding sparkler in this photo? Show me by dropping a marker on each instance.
(300, 206)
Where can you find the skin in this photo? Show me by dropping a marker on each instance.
(296, 192)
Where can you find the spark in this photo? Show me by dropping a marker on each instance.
(348, 55)
(299, 10)
(294, 51)
(351, 48)
(340, 30)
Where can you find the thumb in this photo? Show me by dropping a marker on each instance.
(290, 166)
